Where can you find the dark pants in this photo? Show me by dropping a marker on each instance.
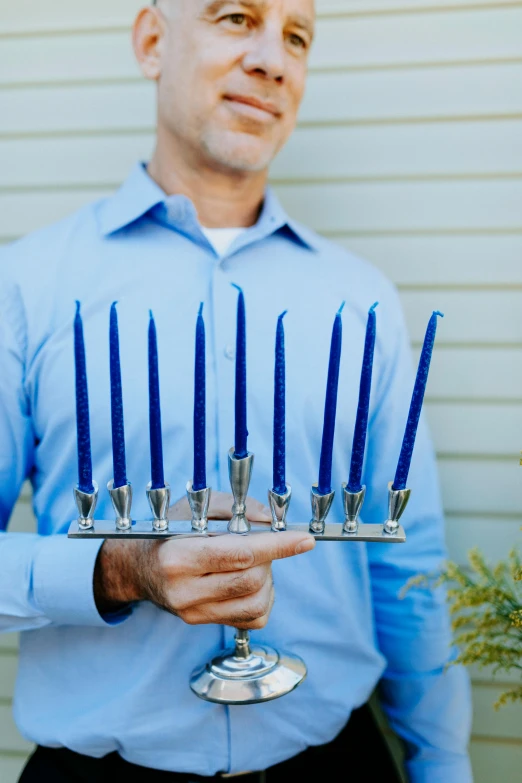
(359, 754)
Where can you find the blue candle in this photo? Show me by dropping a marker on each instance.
(279, 478)
(363, 408)
(330, 407)
(156, 441)
(403, 467)
(82, 408)
(200, 475)
(241, 432)
(118, 432)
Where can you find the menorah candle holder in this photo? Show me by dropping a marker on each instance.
(245, 673)
(397, 502)
(353, 503)
(121, 498)
(159, 502)
(240, 474)
(279, 505)
(86, 504)
(199, 501)
(321, 505)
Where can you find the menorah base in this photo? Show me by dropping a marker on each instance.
(265, 674)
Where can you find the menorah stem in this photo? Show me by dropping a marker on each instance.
(245, 673)
(242, 640)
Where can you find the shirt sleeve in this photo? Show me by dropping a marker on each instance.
(43, 579)
(428, 703)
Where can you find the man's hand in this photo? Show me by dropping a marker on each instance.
(224, 579)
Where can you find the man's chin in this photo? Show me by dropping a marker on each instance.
(240, 152)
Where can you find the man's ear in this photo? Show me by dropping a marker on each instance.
(147, 33)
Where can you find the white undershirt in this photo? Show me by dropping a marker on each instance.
(222, 238)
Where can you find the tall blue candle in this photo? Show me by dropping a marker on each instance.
(118, 432)
(199, 480)
(156, 441)
(330, 407)
(82, 408)
(403, 467)
(279, 478)
(241, 432)
(363, 408)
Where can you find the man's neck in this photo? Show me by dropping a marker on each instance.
(222, 199)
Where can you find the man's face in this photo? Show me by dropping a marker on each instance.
(232, 76)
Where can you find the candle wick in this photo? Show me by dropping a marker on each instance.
(235, 285)
(374, 307)
(200, 313)
(340, 310)
(438, 312)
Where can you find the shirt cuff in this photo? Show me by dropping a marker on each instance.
(456, 770)
(63, 571)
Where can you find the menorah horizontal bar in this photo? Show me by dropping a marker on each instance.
(144, 529)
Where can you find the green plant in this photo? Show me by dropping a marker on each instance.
(486, 611)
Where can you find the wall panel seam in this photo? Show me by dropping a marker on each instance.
(450, 119)
(333, 13)
(334, 68)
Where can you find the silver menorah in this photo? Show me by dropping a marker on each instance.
(246, 673)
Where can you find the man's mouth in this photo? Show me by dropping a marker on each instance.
(254, 107)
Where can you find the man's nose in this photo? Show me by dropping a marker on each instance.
(266, 55)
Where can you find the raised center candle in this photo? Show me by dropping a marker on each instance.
(118, 431)
(156, 441)
(279, 477)
(363, 408)
(82, 409)
(199, 480)
(408, 443)
(241, 432)
(330, 407)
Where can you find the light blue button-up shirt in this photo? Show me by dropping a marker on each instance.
(97, 685)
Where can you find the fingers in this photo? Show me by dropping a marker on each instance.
(221, 508)
(198, 556)
(212, 588)
(246, 613)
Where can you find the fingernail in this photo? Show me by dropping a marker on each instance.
(305, 546)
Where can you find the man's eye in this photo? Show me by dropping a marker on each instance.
(237, 19)
(296, 40)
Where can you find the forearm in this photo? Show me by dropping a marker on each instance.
(431, 712)
(46, 580)
(426, 698)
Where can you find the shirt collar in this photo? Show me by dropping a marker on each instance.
(140, 195)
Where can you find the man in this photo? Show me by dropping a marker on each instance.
(113, 631)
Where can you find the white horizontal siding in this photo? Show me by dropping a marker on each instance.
(408, 152)
(380, 152)
(348, 97)
(354, 209)
(344, 42)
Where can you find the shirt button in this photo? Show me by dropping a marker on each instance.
(230, 352)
